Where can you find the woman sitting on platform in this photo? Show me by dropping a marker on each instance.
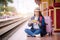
(37, 24)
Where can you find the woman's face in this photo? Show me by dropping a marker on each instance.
(36, 13)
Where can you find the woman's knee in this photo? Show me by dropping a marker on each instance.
(26, 30)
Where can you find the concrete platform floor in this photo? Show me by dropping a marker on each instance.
(21, 35)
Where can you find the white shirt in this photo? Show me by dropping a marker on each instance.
(36, 25)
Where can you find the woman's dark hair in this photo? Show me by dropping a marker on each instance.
(40, 14)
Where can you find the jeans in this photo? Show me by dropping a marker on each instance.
(33, 32)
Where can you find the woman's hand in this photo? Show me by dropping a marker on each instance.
(38, 23)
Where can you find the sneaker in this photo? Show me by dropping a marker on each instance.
(38, 35)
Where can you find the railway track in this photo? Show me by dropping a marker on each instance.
(9, 25)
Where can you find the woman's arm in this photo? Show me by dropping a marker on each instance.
(30, 23)
(39, 23)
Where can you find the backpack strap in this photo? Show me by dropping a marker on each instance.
(40, 19)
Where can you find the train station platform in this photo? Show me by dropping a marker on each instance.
(19, 34)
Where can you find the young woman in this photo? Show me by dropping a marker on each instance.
(37, 24)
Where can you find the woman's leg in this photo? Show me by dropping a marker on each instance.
(29, 32)
(38, 31)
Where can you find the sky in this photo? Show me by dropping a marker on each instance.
(24, 6)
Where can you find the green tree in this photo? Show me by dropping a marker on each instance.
(5, 2)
